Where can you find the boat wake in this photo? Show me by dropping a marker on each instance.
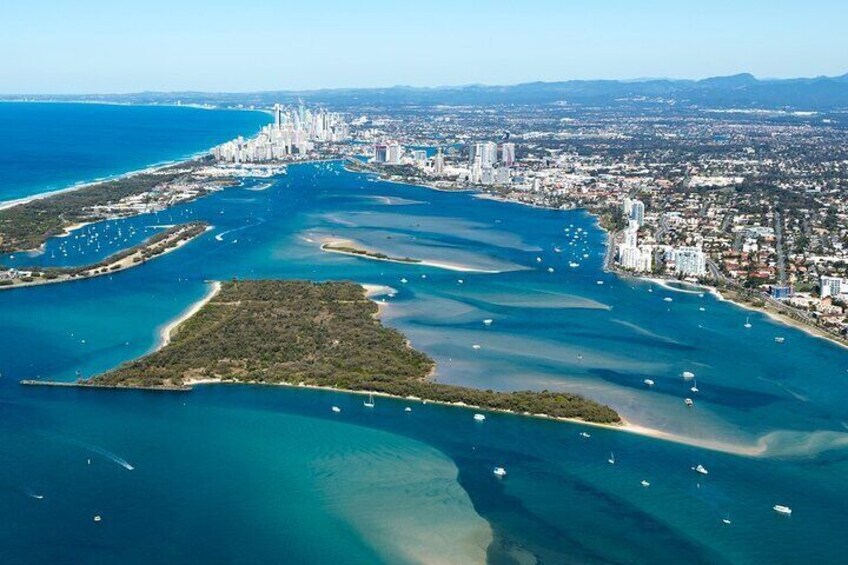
(99, 451)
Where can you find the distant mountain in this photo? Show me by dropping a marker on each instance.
(736, 91)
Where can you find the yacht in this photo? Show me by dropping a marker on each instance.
(370, 402)
(648, 382)
(336, 409)
(781, 509)
(404, 281)
(487, 322)
(97, 518)
(779, 339)
(688, 375)
(500, 472)
(585, 434)
(479, 417)
(645, 483)
(688, 402)
(668, 299)
(475, 346)
(550, 269)
(407, 409)
(701, 469)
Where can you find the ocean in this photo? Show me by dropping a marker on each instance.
(51, 146)
(229, 473)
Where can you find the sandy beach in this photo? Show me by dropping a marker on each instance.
(328, 243)
(166, 333)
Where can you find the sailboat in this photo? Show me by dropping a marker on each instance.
(611, 459)
(726, 519)
(370, 402)
(694, 386)
(747, 322)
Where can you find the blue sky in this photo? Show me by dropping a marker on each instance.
(89, 46)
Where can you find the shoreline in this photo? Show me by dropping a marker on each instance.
(151, 169)
(123, 264)
(165, 334)
(754, 451)
(326, 246)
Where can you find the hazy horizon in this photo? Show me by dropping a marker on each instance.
(97, 47)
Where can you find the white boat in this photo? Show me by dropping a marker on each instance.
(779, 339)
(487, 322)
(550, 269)
(404, 281)
(600, 282)
(702, 309)
(407, 409)
(688, 375)
(585, 434)
(648, 382)
(460, 281)
(645, 483)
(747, 322)
(701, 469)
(668, 299)
(538, 259)
(336, 409)
(475, 346)
(500, 472)
(611, 459)
(694, 387)
(781, 509)
(688, 402)
(726, 520)
(370, 402)
(479, 417)
(97, 518)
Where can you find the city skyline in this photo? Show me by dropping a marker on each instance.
(50, 48)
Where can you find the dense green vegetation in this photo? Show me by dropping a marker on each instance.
(366, 253)
(323, 334)
(29, 225)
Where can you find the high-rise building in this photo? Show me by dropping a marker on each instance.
(832, 286)
(689, 261)
(381, 153)
(439, 162)
(489, 154)
(395, 153)
(637, 212)
(508, 154)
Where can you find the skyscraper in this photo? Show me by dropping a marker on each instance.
(508, 154)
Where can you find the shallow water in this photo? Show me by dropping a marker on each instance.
(261, 472)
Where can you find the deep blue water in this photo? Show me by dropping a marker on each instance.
(266, 474)
(46, 147)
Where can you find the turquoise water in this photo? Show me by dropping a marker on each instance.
(259, 474)
(46, 147)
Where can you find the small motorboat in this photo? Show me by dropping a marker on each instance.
(487, 322)
(648, 382)
(701, 469)
(688, 402)
(585, 434)
(336, 409)
(499, 472)
(779, 339)
(645, 483)
(407, 409)
(479, 417)
(97, 518)
(781, 509)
